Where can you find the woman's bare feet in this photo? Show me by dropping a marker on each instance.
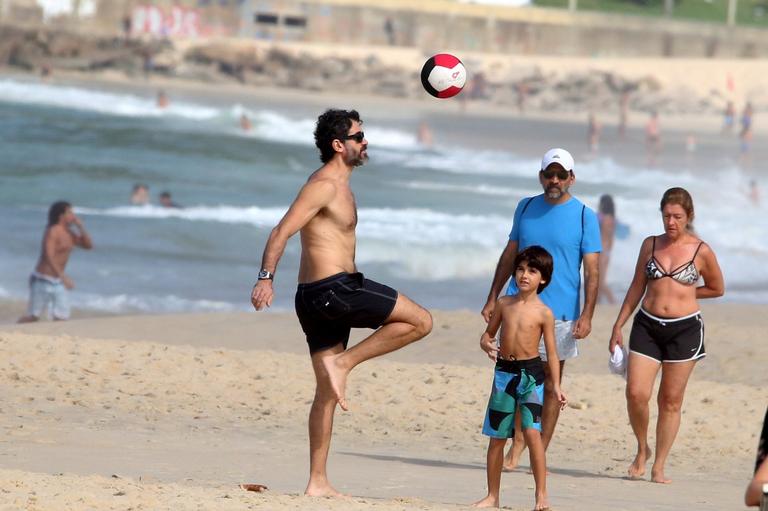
(337, 377)
(488, 501)
(657, 475)
(637, 468)
(542, 502)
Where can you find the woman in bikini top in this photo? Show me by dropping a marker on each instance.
(668, 333)
(686, 273)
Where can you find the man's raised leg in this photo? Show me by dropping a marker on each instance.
(321, 426)
(407, 323)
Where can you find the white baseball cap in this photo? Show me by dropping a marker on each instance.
(559, 156)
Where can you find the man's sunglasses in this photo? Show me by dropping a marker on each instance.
(561, 174)
(357, 137)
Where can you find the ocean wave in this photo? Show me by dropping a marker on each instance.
(477, 189)
(267, 125)
(124, 105)
(126, 303)
(396, 226)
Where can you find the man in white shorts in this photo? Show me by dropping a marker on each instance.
(48, 284)
(569, 231)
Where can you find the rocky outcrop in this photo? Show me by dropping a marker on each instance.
(226, 60)
(37, 49)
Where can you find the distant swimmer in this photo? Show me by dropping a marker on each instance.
(623, 114)
(606, 217)
(332, 295)
(140, 194)
(754, 192)
(166, 201)
(729, 115)
(48, 284)
(162, 99)
(653, 138)
(593, 133)
(425, 135)
(245, 123)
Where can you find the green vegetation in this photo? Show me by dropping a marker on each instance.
(748, 12)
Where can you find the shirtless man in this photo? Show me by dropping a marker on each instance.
(48, 284)
(332, 297)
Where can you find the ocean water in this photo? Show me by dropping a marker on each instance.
(432, 222)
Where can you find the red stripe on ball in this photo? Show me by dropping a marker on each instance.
(446, 60)
(449, 92)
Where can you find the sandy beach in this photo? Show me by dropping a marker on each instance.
(172, 412)
(158, 412)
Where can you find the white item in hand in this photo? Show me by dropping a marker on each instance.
(617, 364)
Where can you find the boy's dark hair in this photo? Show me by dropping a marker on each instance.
(536, 257)
(56, 210)
(333, 125)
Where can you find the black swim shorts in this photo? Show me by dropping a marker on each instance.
(329, 308)
(668, 340)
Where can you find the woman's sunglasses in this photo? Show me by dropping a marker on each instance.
(561, 174)
(357, 137)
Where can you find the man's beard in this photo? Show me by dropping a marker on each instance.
(555, 192)
(358, 160)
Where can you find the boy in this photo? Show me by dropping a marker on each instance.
(518, 383)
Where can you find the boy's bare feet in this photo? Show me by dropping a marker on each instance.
(637, 468)
(657, 476)
(488, 501)
(337, 377)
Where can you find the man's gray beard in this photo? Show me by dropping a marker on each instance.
(557, 193)
(357, 162)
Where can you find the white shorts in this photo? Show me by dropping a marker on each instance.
(565, 343)
(49, 293)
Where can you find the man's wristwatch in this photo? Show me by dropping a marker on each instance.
(266, 275)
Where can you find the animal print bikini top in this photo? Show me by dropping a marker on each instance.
(686, 274)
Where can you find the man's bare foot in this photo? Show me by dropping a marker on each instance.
(637, 468)
(337, 377)
(322, 490)
(488, 501)
(657, 476)
(510, 461)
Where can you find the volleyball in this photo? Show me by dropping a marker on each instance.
(443, 75)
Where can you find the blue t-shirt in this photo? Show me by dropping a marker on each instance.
(562, 232)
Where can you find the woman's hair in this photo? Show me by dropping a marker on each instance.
(536, 257)
(682, 198)
(606, 206)
(56, 210)
(333, 125)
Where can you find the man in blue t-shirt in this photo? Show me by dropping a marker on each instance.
(569, 231)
